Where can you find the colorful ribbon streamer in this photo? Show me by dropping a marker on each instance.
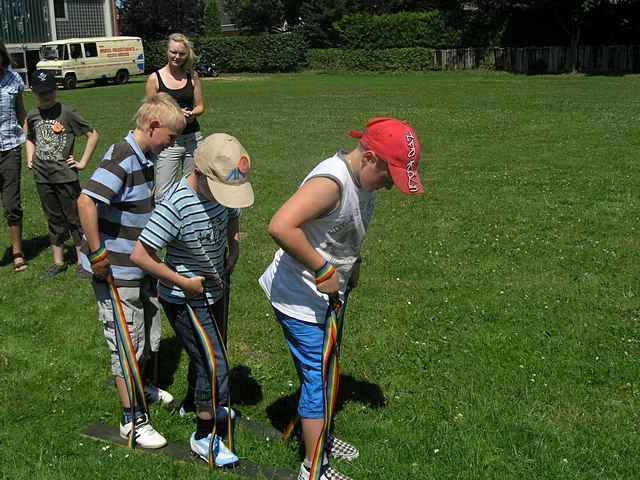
(205, 341)
(127, 357)
(330, 377)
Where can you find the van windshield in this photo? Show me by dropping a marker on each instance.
(53, 52)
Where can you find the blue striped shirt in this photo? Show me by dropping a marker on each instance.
(194, 231)
(11, 134)
(122, 187)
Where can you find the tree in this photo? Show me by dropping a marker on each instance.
(154, 19)
(257, 16)
(318, 18)
(212, 22)
(571, 16)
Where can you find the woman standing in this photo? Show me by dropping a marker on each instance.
(12, 118)
(178, 79)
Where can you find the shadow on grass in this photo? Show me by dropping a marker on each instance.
(285, 409)
(30, 247)
(245, 390)
(168, 360)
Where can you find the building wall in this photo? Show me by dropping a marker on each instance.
(24, 21)
(85, 18)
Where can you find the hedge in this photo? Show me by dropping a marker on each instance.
(418, 29)
(337, 59)
(261, 53)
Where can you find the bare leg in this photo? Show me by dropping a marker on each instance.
(16, 237)
(311, 431)
(58, 254)
(121, 387)
(78, 254)
(16, 246)
(205, 413)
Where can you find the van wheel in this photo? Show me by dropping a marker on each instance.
(70, 82)
(122, 77)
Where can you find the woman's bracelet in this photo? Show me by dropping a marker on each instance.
(325, 273)
(98, 255)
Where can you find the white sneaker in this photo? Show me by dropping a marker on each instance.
(328, 473)
(154, 394)
(146, 435)
(223, 457)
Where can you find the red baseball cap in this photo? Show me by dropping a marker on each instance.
(396, 143)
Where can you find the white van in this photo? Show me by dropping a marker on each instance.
(101, 59)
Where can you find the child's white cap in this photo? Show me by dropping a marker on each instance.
(226, 164)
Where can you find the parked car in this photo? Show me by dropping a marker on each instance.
(101, 59)
(207, 70)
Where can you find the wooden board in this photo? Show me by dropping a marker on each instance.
(182, 452)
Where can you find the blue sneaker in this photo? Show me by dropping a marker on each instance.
(222, 412)
(223, 457)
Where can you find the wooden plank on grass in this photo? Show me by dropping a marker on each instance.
(182, 453)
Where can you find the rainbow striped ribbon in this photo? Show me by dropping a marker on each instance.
(205, 341)
(127, 357)
(330, 378)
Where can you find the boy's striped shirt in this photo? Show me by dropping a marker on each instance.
(194, 231)
(122, 187)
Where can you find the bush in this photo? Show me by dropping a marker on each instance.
(155, 54)
(337, 59)
(261, 53)
(400, 30)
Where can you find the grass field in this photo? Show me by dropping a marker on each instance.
(495, 333)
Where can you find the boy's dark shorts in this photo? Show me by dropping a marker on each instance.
(59, 204)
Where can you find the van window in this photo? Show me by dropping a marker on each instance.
(90, 50)
(76, 51)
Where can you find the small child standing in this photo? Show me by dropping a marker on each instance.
(114, 207)
(51, 134)
(320, 230)
(196, 220)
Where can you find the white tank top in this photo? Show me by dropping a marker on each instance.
(337, 237)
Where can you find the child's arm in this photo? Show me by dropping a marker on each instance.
(88, 213)
(317, 197)
(31, 150)
(233, 242)
(90, 147)
(145, 257)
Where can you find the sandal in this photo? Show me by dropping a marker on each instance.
(19, 264)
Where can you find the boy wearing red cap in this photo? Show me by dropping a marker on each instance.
(320, 230)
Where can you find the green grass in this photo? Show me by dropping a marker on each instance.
(497, 315)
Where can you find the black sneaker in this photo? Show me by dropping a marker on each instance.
(54, 270)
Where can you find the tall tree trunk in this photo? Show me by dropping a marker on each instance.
(574, 42)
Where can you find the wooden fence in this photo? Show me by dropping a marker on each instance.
(615, 59)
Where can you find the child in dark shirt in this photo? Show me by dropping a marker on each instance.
(51, 134)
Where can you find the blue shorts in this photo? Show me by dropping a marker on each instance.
(305, 342)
